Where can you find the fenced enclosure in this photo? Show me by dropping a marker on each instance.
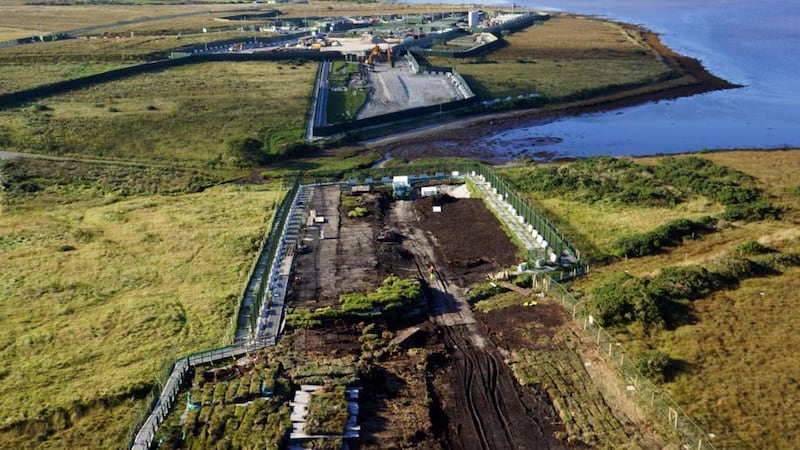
(432, 172)
(637, 385)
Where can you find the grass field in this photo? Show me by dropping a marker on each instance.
(113, 48)
(18, 75)
(181, 115)
(737, 353)
(20, 19)
(336, 164)
(97, 293)
(562, 56)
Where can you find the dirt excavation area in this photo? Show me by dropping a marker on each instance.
(447, 374)
(397, 88)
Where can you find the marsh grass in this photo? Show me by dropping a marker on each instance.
(561, 57)
(736, 349)
(197, 108)
(336, 165)
(149, 277)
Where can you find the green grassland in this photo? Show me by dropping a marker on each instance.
(103, 282)
(182, 115)
(561, 57)
(335, 164)
(726, 326)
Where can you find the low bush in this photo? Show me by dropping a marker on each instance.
(621, 299)
(688, 282)
(654, 364)
(670, 234)
(668, 183)
(751, 211)
(729, 271)
(482, 291)
(753, 248)
(779, 261)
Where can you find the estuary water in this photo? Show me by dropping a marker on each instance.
(752, 43)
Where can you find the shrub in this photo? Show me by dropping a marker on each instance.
(482, 291)
(113, 109)
(731, 270)
(245, 151)
(670, 234)
(675, 283)
(622, 298)
(358, 211)
(752, 248)
(780, 261)
(751, 212)
(654, 364)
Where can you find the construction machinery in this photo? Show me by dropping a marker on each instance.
(376, 51)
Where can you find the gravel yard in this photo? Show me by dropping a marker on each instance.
(396, 88)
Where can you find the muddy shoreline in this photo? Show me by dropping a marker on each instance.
(467, 137)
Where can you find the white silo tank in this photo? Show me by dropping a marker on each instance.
(473, 18)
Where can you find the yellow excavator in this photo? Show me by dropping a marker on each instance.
(371, 58)
(375, 52)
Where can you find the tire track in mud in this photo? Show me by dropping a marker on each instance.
(490, 411)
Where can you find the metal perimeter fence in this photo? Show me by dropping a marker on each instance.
(637, 385)
(268, 250)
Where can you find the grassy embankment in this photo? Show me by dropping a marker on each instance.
(724, 322)
(108, 271)
(563, 57)
(21, 19)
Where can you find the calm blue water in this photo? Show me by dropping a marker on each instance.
(753, 43)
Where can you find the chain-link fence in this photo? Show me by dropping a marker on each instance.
(690, 434)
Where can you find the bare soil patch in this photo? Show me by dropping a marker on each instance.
(467, 237)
